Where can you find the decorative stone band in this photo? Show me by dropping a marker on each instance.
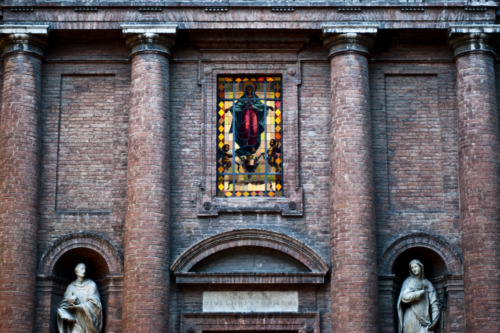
(464, 39)
(342, 39)
(150, 38)
(27, 38)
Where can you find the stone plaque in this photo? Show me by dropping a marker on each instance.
(250, 301)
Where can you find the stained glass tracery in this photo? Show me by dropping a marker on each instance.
(249, 136)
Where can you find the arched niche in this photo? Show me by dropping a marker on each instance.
(250, 256)
(56, 271)
(442, 267)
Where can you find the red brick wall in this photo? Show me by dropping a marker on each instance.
(479, 152)
(19, 179)
(415, 151)
(408, 81)
(85, 125)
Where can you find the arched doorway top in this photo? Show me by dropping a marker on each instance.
(76, 241)
(427, 241)
(255, 240)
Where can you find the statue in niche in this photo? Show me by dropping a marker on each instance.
(81, 309)
(418, 305)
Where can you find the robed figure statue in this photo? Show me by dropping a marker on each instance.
(81, 309)
(418, 305)
(250, 119)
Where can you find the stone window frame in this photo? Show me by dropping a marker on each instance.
(291, 203)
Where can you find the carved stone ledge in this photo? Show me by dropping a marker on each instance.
(151, 38)
(349, 9)
(20, 39)
(22, 9)
(466, 39)
(216, 9)
(303, 322)
(150, 9)
(282, 9)
(342, 39)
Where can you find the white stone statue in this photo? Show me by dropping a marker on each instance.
(81, 309)
(418, 305)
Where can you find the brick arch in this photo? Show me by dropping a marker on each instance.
(250, 238)
(433, 243)
(75, 241)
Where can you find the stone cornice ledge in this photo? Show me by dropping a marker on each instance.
(368, 29)
(474, 29)
(25, 29)
(169, 28)
(473, 38)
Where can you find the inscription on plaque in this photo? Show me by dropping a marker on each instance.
(250, 301)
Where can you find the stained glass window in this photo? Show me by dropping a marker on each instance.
(249, 136)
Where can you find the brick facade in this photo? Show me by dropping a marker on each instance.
(390, 153)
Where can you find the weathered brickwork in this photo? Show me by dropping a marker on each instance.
(351, 195)
(89, 215)
(147, 221)
(479, 188)
(19, 179)
(390, 151)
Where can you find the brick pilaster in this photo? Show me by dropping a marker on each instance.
(479, 175)
(19, 178)
(146, 281)
(352, 224)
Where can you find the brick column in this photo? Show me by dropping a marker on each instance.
(479, 175)
(352, 225)
(146, 280)
(19, 177)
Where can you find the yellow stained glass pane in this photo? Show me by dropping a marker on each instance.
(229, 79)
(221, 187)
(278, 120)
(271, 194)
(221, 112)
(221, 129)
(278, 112)
(253, 194)
(221, 137)
(277, 79)
(238, 80)
(221, 105)
(228, 194)
(221, 169)
(221, 144)
(278, 128)
(278, 160)
(278, 95)
(245, 193)
(269, 79)
(278, 187)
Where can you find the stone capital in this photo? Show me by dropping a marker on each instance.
(464, 39)
(341, 39)
(28, 38)
(150, 38)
